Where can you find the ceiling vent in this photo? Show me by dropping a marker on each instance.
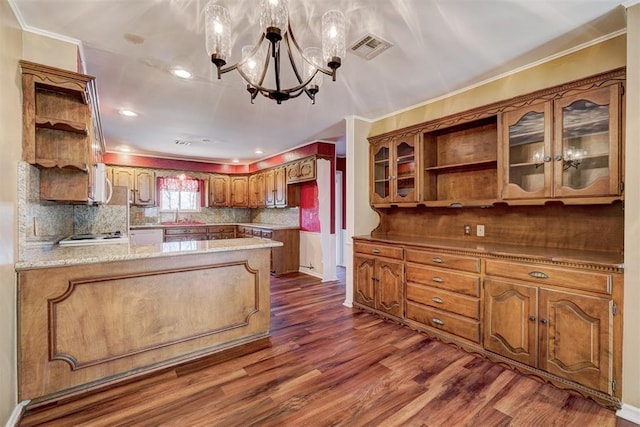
(182, 142)
(369, 46)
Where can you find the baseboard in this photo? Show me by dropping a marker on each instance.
(16, 415)
(348, 304)
(310, 272)
(629, 413)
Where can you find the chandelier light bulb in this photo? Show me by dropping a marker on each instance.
(218, 33)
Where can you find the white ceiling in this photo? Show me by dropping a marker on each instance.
(439, 46)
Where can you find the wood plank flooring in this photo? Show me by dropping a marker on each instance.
(326, 364)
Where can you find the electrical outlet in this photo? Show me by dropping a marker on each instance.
(467, 230)
(480, 230)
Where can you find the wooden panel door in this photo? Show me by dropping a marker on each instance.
(510, 314)
(280, 179)
(576, 340)
(587, 143)
(124, 177)
(389, 281)
(239, 191)
(364, 285)
(253, 191)
(270, 188)
(218, 191)
(525, 153)
(145, 187)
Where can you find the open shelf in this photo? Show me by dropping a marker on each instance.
(484, 164)
(61, 125)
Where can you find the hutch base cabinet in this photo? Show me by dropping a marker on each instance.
(558, 319)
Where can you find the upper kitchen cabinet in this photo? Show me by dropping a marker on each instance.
(219, 191)
(257, 190)
(569, 147)
(141, 183)
(393, 170)
(59, 131)
(301, 170)
(239, 194)
(460, 164)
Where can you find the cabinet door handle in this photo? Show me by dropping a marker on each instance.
(544, 321)
(546, 159)
(437, 300)
(538, 274)
(437, 321)
(532, 318)
(557, 157)
(437, 279)
(375, 279)
(375, 251)
(437, 260)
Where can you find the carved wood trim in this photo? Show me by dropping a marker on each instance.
(73, 285)
(615, 76)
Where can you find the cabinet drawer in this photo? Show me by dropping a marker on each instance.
(467, 284)
(222, 229)
(379, 250)
(256, 232)
(266, 234)
(444, 300)
(184, 237)
(542, 274)
(437, 319)
(185, 230)
(457, 262)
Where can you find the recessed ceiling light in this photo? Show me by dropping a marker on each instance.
(124, 149)
(235, 161)
(128, 113)
(258, 151)
(183, 74)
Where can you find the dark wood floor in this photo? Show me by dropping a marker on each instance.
(327, 364)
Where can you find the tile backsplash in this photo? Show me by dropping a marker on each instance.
(281, 216)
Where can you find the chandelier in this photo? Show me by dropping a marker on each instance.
(265, 54)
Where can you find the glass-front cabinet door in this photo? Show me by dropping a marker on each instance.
(404, 178)
(526, 152)
(380, 173)
(587, 134)
(393, 171)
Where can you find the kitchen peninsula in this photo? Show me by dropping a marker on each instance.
(95, 315)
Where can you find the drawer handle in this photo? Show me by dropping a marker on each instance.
(376, 251)
(544, 321)
(532, 318)
(437, 321)
(437, 279)
(437, 300)
(538, 275)
(437, 260)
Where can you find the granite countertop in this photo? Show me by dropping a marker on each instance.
(187, 224)
(54, 255)
(559, 255)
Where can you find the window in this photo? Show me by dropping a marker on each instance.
(180, 193)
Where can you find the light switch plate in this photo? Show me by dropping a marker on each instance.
(480, 230)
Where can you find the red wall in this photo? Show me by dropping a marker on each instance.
(341, 165)
(309, 207)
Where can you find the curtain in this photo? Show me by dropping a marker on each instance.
(172, 183)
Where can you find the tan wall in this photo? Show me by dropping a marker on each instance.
(631, 335)
(592, 60)
(15, 45)
(10, 141)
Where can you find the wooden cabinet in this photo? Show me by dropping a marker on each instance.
(284, 259)
(445, 298)
(301, 170)
(239, 189)
(58, 131)
(280, 187)
(460, 164)
(569, 147)
(378, 280)
(393, 174)
(221, 232)
(257, 190)
(561, 329)
(141, 183)
(219, 191)
(179, 234)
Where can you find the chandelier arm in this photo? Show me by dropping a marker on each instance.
(326, 71)
(240, 63)
(295, 67)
